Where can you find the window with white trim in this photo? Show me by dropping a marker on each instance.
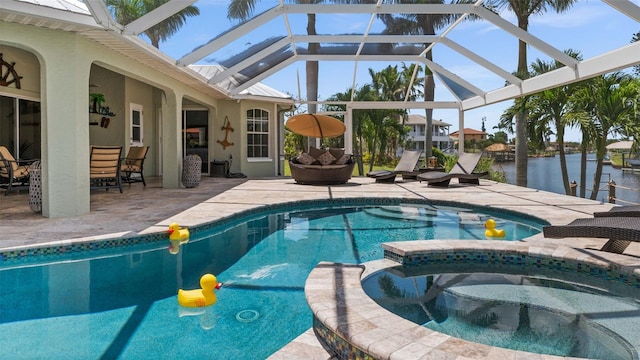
(257, 133)
(136, 138)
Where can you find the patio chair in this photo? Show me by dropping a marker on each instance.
(13, 173)
(406, 167)
(133, 163)
(104, 169)
(462, 170)
(620, 231)
(627, 211)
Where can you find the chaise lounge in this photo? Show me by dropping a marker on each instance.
(620, 231)
(462, 170)
(406, 167)
(630, 211)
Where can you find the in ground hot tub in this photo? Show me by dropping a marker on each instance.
(479, 299)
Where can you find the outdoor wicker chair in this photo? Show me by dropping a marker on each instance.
(406, 167)
(620, 231)
(462, 170)
(627, 211)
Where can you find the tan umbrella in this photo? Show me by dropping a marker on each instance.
(314, 125)
(498, 147)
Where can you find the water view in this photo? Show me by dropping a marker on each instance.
(544, 174)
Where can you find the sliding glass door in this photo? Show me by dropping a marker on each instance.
(195, 135)
(20, 129)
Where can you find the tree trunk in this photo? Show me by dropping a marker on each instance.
(522, 148)
(563, 158)
(583, 167)
(601, 149)
(312, 67)
(521, 118)
(429, 95)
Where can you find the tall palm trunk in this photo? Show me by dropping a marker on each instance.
(601, 149)
(429, 95)
(583, 164)
(521, 118)
(563, 158)
(312, 69)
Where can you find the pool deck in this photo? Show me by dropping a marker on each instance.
(142, 210)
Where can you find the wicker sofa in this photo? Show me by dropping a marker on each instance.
(317, 167)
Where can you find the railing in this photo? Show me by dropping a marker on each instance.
(609, 186)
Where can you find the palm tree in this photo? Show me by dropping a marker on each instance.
(125, 11)
(552, 106)
(609, 102)
(523, 10)
(420, 24)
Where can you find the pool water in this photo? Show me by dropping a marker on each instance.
(541, 311)
(106, 304)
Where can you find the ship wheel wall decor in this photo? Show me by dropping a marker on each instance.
(8, 74)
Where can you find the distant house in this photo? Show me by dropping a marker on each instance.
(440, 133)
(472, 135)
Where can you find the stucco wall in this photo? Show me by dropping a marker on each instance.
(27, 66)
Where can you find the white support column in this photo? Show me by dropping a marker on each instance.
(65, 129)
(171, 139)
(461, 132)
(348, 135)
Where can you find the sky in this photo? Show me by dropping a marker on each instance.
(590, 26)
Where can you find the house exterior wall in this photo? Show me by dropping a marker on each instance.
(60, 66)
(65, 65)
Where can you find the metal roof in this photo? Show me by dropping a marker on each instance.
(279, 38)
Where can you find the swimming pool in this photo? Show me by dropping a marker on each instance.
(532, 309)
(121, 302)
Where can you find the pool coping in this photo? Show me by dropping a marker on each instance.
(352, 325)
(159, 237)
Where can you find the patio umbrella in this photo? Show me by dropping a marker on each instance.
(314, 125)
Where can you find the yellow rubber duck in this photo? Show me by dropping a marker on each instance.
(491, 231)
(177, 237)
(200, 297)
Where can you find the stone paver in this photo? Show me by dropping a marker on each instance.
(141, 210)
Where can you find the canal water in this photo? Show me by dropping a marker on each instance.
(544, 174)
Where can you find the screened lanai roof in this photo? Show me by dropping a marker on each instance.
(352, 36)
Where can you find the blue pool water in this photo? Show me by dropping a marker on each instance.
(122, 303)
(538, 310)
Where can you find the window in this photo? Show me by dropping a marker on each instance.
(136, 125)
(257, 133)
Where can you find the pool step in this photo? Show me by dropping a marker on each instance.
(423, 213)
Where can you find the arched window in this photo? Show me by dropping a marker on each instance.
(257, 133)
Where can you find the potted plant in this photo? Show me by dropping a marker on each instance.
(96, 101)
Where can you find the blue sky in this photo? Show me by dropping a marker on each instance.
(590, 27)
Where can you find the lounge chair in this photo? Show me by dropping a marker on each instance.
(104, 169)
(620, 231)
(462, 170)
(406, 167)
(14, 173)
(133, 163)
(627, 211)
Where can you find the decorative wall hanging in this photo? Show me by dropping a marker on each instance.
(227, 128)
(8, 74)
